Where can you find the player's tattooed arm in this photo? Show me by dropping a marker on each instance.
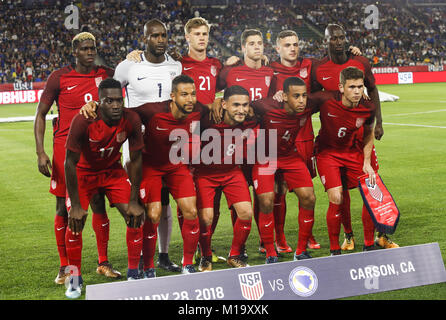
(88, 110)
(76, 216)
(43, 161)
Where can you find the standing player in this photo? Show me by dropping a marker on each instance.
(286, 119)
(151, 81)
(71, 87)
(93, 162)
(224, 173)
(325, 74)
(342, 115)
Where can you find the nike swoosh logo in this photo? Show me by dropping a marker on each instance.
(306, 221)
(91, 140)
(138, 240)
(245, 227)
(158, 128)
(105, 224)
(276, 73)
(194, 232)
(267, 225)
(141, 78)
(185, 69)
(151, 237)
(272, 121)
(238, 80)
(58, 229)
(69, 88)
(332, 115)
(326, 78)
(71, 240)
(337, 215)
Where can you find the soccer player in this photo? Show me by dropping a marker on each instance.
(343, 114)
(325, 74)
(151, 81)
(71, 87)
(224, 173)
(285, 119)
(93, 162)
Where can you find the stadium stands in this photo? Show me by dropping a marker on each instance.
(34, 40)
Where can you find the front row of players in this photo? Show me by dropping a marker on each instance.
(93, 147)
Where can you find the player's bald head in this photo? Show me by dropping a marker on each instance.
(151, 23)
(331, 28)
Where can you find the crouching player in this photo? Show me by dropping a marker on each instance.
(93, 163)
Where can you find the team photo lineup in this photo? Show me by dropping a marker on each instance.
(170, 136)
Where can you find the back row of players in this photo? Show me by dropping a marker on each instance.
(168, 94)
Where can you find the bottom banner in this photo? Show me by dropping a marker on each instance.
(318, 278)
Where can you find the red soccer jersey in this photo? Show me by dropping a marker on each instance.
(159, 122)
(302, 69)
(256, 81)
(71, 90)
(205, 74)
(275, 117)
(99, 144)
(340, 124)
(326, 73)
(235, 141)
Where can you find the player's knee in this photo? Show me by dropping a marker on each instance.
(190, 213)
(307, 200)
(154, 213)
(336, 198)
(245, 213)
(266, 203)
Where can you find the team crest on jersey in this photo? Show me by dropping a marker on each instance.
(359, 122)
(98, 81)
(173, 74)
(214, 70)
(120, 137)
(251, 285)
(303, 73)
(267, 80)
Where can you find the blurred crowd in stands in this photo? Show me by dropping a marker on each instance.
(34, 40)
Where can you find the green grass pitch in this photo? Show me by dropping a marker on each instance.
(411, 157)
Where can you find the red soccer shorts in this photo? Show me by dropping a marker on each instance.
(177, 178)
(113, 182)
(233, 184)
(293, 169)
(306, 151)
(57, 185)
(332, 165)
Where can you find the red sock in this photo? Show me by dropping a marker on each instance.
(150, 235)
(334, 225)
(346, 214)
(60, 227)
(241, 233)
(205, 240)
(191, 234)
(266, 226)
(306, 221)
(279, 218)
(101, 227)
(74, 251)
(180, 218)
(134, 239)
(233, 216)
(369, 227)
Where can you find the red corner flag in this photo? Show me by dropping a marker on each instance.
(380, 204)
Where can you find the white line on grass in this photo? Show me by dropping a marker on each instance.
(413, 125)
(413, 113)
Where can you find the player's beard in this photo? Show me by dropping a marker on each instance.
(183, 109)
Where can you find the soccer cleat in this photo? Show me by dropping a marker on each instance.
(236, 262)
(285, 248)
(107, 270)
(369, 248)
(262, 249)
(336, 252)
(149, 273)
(74, 289)
(205, 264)
(271, 259)
(312, 243)
(132, 274)
(214, 256)
(383, 241)
(168, 265)
(304, 255)
(62, 276)
(188, 269)
(349, 242)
